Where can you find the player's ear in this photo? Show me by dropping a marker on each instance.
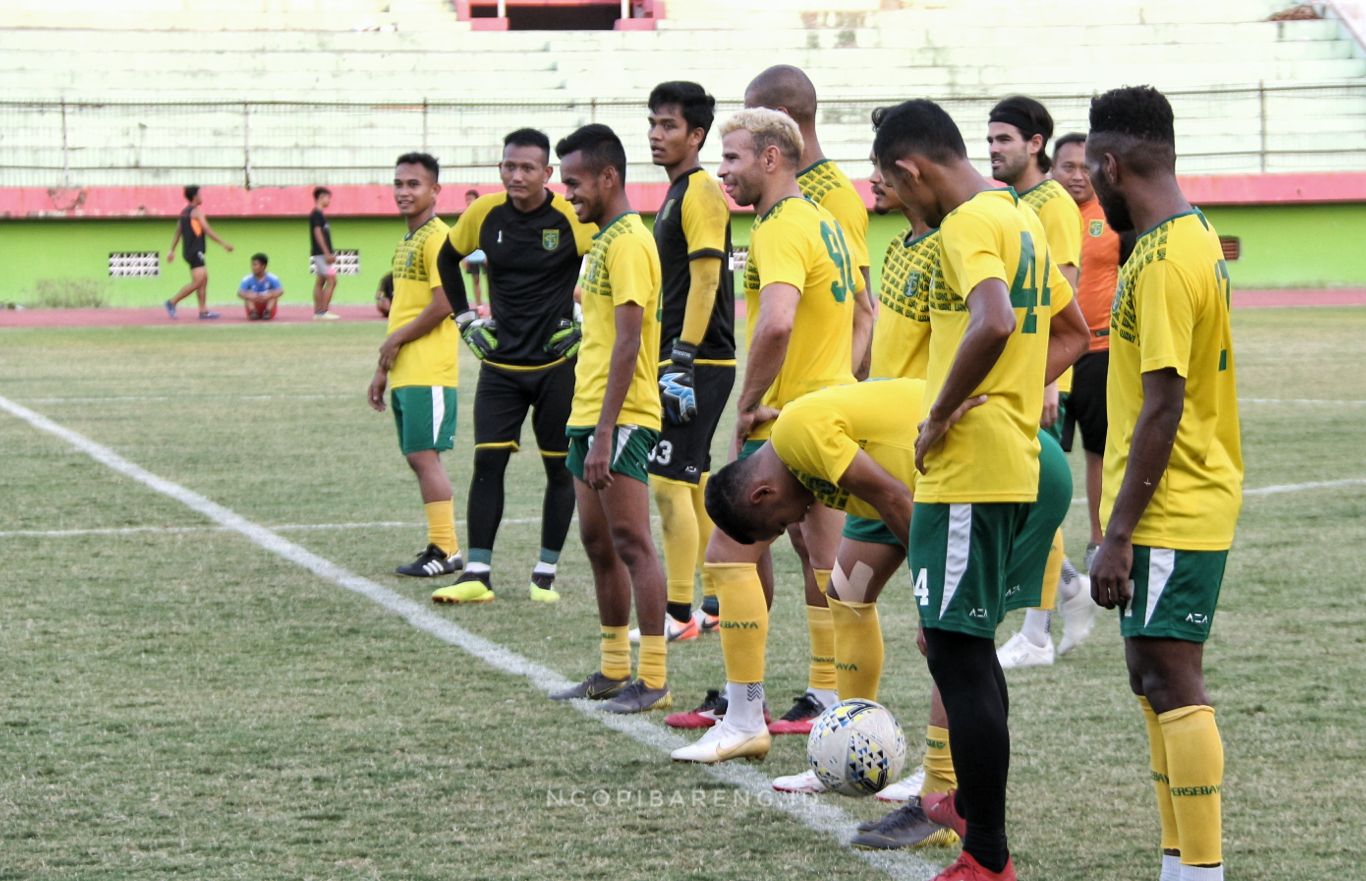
(909, 167)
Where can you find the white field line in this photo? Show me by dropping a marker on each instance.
(100, 399)
(1273, 490)
(283, 527)
(1328, 401)
(817, 816)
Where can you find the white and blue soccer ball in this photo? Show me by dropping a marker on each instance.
(856, 747)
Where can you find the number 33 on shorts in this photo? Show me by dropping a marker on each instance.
(662, 453)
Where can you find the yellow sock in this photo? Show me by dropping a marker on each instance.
(616, 653)
(938, 762)
(858, 648)
(652, 668)
(744, 619)
(704, 524)
(1158, 752)
(1195, 767)
(709, 582)
(1052, 574)
(679, 525)
(822, 632)
(441, 526)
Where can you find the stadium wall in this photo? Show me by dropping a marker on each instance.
(1282, 246)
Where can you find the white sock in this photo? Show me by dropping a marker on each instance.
(745, 705)
(543, 569)
(828, 697)
(1202, 873)
(1171, 868)
(1036, 624)
(477, 568)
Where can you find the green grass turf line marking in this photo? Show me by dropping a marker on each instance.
(817, 816)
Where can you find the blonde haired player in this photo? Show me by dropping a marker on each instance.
(800, 287)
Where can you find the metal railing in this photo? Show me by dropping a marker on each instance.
(253, 144)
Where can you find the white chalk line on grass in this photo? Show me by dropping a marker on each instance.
(1273, 490)
(812, 813)
(1346, 402)
(282, 527)
(100, 399)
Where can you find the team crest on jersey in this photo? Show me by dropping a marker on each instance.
(550, 239)
(1097, 227)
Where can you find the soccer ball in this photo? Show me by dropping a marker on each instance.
(856, 747)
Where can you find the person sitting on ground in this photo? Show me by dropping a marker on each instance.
(260, 290)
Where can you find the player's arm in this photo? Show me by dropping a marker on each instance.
(1068, 339)
(863, 329)
(437, 311)
(175, 240)
(208, 231)
(677, 382)
(1164, 394)
(871, 482)
(991, 321)
(772, 332)
(322, 242)
(628, 319)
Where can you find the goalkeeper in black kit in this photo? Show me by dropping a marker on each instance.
(533, 243)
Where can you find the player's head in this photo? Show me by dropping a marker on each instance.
(758, 146)
(259, 262)
(915, 142)
(470, 196)
(322, 196)
(681, 114)
(417, 179)
(593, 168)
(1069, 166)
(1131, 146)
(192, 195)
(885, 200)
(384, 295)
(1018, 130)
(751, 501)
(525, 166)
(786, 88)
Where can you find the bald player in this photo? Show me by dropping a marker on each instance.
(787, 89)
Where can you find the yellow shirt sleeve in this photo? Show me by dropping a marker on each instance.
(778, 256)
(1062, 224)
(814, 440)
(431, 248)
(464, 235)
(628, 266)
(706, 217)
(845, 204)
(970, 253)
(1166, 318)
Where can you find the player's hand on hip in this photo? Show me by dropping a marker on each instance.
(376, 392)
(564, 342)
(932, 431)
(480, 334)
(1050, 406)
(1111, 585)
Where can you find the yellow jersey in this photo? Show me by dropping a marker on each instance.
(623, 267)
(818, 435)
(799, 243)
(1062, 223)
(430, 359)
(829, 187)
(1171, 310)
(992, 454)
(901, 335)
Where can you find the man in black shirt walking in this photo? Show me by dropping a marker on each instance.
(321, 253)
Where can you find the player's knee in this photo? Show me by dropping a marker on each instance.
(490, 463)
(556, 472)
(633, 545)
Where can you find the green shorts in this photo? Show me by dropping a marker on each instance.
(871, 531)
(1175, 593)
(749, 448)
(958, 557)
(631, 446)
(1029, 552)
(425, 416)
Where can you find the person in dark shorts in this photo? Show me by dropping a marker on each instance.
(190, 232)
(322, 256)
(527, 345)
(697, 343)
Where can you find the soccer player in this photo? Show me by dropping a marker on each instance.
(322, 256)
(800, 284)
(1102, 252)
(417, 361)
(697, 352)
(526, 349)
(1017, 140)
(384, 294)
(260, 290)
(990, 325)
(1173, 463)
(789, 90)
(615, 423)
(190, 232)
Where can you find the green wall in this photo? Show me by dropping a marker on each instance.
(1282, 247)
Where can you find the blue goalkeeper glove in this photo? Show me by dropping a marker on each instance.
(565, 341)
(676, 390)
(480, 334)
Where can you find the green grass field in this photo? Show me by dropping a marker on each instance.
(178, 701)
